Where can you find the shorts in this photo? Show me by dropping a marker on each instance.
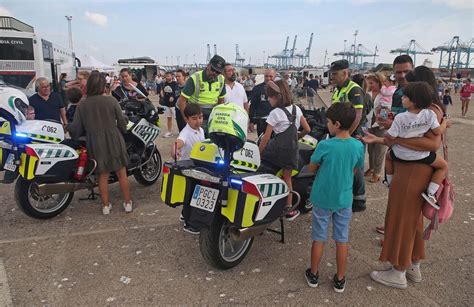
(341, 220)
(170, 112)
(428, 160)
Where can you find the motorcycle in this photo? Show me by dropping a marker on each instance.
(222, 193)
(35, 154)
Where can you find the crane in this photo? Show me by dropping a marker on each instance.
(412, 48)
(239, 61)
(208, 53)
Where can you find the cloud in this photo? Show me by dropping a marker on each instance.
(98, 19)
(457, 4)
(5, 12)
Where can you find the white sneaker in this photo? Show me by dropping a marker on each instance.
(106, 209)
(390, 278)
(414, 273)
(167, 135)
(430, 199)
(128, 206)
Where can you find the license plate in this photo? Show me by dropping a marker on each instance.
(10, 163)
(204, 198)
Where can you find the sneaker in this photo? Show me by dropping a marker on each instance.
(290, 216)
(385, 183)
(128, 206)
(311, 279)
(181, 218)
(190, 229)
(414, 273)
(106, 209)
(167, 135)
(339, 285)
(431, 199)
(390, 278)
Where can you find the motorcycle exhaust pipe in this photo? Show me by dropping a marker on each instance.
(46, 189)
(243, 234)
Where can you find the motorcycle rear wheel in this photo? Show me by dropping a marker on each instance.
(217, 247)
(39, 207)
(149, 173)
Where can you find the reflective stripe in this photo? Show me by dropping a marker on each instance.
(359, 197)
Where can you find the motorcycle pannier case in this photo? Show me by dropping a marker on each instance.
(176, 188)
(254, 199)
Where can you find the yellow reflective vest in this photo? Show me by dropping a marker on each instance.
(342, 94)
(205, 93)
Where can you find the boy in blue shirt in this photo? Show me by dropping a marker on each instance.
(335, 161)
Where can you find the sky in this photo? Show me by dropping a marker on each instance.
(178, 29)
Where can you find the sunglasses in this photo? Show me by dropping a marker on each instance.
(215, 71)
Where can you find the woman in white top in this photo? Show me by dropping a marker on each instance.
(278, 121)
(376, 151)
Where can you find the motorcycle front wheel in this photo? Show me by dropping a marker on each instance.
(39, 207)
(149, 173)
(217, 247)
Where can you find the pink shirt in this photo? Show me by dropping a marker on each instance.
(467, 90)
(386, 93)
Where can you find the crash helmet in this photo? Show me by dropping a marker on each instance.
(13, 104)
(227, 126)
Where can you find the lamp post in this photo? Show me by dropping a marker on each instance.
(69, 19)
(355, 46)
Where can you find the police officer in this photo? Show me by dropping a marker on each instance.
(205, 87)
(348, 91)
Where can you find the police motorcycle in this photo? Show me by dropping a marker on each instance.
(221, 192)
(48, 172)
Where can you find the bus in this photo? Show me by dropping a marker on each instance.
(25, 56)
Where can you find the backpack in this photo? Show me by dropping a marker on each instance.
(445, 196)
(282, 148)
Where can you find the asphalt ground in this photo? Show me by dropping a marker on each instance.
(82, 258)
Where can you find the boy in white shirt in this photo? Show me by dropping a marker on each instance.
(191, 134)
(414, 123)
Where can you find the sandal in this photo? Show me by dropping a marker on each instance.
(380, 229)
(369, 172)
(375, 178)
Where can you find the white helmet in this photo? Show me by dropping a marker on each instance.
(13, 104)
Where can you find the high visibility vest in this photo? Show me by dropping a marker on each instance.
(205, 94)
(342, 95)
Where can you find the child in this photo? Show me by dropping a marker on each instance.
(414, 123)
(191, 134)
(387, 91)
(335, 161)
(447, 101)
(282, 152)
(74, 95)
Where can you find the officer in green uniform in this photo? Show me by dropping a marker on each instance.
(348, 91)
(205, 87)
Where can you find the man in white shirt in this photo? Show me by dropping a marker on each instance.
(235, 91)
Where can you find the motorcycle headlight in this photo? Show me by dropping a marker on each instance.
(21, 106)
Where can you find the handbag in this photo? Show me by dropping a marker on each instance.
(445, 196)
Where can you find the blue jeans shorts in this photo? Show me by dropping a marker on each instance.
(341, 220)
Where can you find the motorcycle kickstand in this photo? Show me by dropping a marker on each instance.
(92, 195)
(281, 232)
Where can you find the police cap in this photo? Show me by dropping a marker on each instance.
(339, 65)
(217, 63)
